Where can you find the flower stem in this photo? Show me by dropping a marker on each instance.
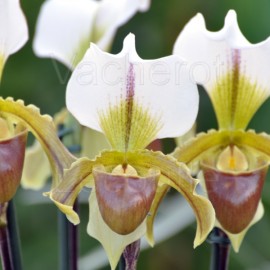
(7, 263)
(122, 263)
(68, 242)
(14, 236)
(130, 256)
(68, 233)
(220, 250)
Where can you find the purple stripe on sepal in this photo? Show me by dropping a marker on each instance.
(130, 92)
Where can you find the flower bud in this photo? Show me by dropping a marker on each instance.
(124, 199)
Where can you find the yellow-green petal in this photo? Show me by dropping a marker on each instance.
(44, 130)
(93, 142)
(193, 150)
(36, 169)
(259, 143)
(161, 192)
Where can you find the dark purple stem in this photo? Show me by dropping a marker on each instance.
(68, 242)
(7, 263)
(67, 231)
(220, 250)
(130, 256)
(73, 241)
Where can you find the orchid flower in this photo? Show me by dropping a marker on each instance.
(234, 162)
(64, 31)
(132, 101)
(65, 28)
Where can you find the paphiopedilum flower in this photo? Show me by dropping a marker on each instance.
(234, 162)
(65, 28)
(13, 30)
(132, 101)
(64, 31)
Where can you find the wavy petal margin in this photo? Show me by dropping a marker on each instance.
(173, 173)
(192, 150)
(44, 130)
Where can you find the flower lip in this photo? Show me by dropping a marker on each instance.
(235, 197)
(234, 191)
(11, 164)
(124, 200)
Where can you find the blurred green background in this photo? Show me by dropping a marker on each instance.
(43, 81)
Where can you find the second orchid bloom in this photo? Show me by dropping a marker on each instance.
(234, 162)
(132, 101)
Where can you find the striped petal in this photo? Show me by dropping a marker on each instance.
(233, 71)
(13, 29)
(132, 101)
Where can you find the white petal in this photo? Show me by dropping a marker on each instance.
(13, 28)
(114, 13)
(102, 81)
(64, 29)
(212, 56)
(113, 243)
